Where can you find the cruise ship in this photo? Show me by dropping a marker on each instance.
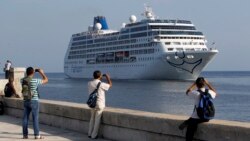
(151, 48)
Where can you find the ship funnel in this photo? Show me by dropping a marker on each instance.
(102, 21)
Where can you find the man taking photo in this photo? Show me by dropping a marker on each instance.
(96, 112)
(31, 100)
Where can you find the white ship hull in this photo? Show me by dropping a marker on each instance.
(158, 68)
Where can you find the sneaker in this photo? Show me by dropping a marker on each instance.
(39, 137)
(25, 137)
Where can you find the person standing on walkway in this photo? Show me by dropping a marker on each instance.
(31, 100)
(7, 69)
(194, 120)
(96, 112)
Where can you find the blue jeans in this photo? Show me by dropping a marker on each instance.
(31, 106)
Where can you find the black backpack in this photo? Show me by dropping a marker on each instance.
(93, 97)
(205, 109)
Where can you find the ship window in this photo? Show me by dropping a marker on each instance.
(125, 31)
(189, 49)
(187, 43)
(79, 38)
(138, 35)
(89, 37)
(89, 41)
(170, 49)
(179, 49)
(78, 43)
(138, 29)
(153, 33)
(176, 43)
(181, 32)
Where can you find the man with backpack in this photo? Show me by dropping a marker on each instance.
(96, 112)
(203, 109)
(31, 100)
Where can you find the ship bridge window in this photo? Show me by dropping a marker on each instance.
(167, 43)
(170, 49)
(181, 32)
(173, 27)
(170, 21)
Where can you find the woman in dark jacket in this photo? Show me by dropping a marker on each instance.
(10, 90)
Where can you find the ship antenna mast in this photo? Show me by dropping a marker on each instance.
(148, 13)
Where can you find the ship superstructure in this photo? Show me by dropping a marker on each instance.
(148, 49)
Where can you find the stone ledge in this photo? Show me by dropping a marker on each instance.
(132, 124)
(19, 69)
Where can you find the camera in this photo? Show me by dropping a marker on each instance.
(104, 75)
(36, 70)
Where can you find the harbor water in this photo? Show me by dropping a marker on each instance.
(161, 96)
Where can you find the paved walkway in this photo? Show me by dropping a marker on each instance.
(11, 130)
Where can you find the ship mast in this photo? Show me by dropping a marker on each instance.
(148, 13)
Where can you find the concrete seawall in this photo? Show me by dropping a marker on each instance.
(130, 125)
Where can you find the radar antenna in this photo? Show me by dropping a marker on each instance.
(148, 13)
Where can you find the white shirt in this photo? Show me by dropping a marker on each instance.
(196, 96)
(100, 103)
(7, 66)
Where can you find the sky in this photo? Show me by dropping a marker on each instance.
(37, 32)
